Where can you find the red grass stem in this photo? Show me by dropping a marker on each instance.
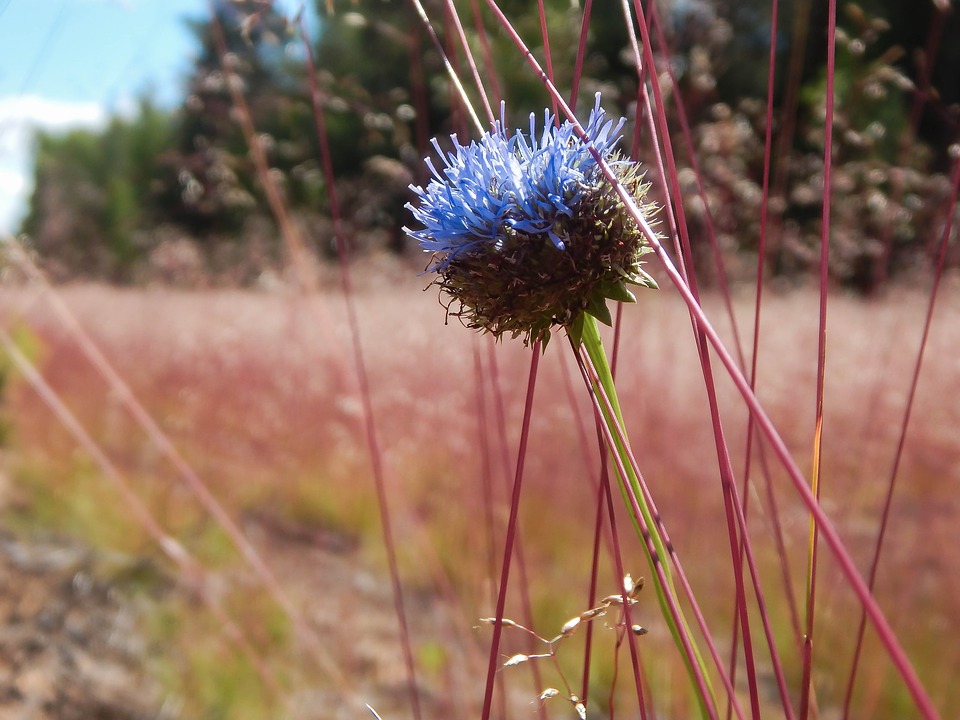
(189, 567)
(524, 580)
(424, 18)
(614, 439)
(901, 440)
(296, 249)
(581, 53)
(485, 47)
(486, 472)
(545, 36)
(123, 393)
(359, 361)
(830, 535)
(687, 136)
(607, 503)
(511, 533)
(755, 351)
(806, 688)
(471, 62)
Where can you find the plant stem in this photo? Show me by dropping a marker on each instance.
(644, 520)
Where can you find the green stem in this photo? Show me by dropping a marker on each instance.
(590, 337)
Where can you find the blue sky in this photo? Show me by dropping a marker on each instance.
(75, 62)
(79, 51)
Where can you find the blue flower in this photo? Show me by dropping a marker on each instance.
(500, 183)
(525, 230)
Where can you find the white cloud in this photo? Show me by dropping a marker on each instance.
(19, 117)
(50, 113)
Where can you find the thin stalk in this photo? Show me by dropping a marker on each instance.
(687, 136)
(755, 351)
(761, 253)
(788, 122)
(765, 424)
(485, 47)
(360, 366)
(545, 36)
(607, 503)
(486, 471)
(190, 569)
(901, 440)
(598, 525)
(511, 534)
(806, 688)
(724, 463)
(471, 62)
(598, 534)
(921, 95)
(638, 676)
(526, 602)
(826, 528)
(486, 455)
(292, 239)
(418, 88)
(644, 521)
(454, 78)
(581, 53)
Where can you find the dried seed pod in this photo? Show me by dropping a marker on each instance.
(570, 627)
(593, 613)
(505, 622)
(632, 587)
(616, 600)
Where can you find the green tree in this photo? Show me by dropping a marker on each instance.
(210, 184)
(94, 190)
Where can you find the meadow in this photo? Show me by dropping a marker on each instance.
(254, 389)
(322, 497)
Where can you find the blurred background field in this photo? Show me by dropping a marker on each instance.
(252, 388)
(208, 277)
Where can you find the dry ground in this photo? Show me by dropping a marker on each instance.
(70, 645)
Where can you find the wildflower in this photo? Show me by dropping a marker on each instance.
(525, 230)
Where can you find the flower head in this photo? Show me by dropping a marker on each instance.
(525, 230)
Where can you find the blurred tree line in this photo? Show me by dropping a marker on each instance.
(175, 195)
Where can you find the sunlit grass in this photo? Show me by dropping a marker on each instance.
(256, 397)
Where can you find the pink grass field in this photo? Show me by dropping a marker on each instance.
(255, 390)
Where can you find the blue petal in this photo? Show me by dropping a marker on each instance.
(523, 182)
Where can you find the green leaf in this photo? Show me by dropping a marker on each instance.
(639, 277)
(620, 293)
(598, 308)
